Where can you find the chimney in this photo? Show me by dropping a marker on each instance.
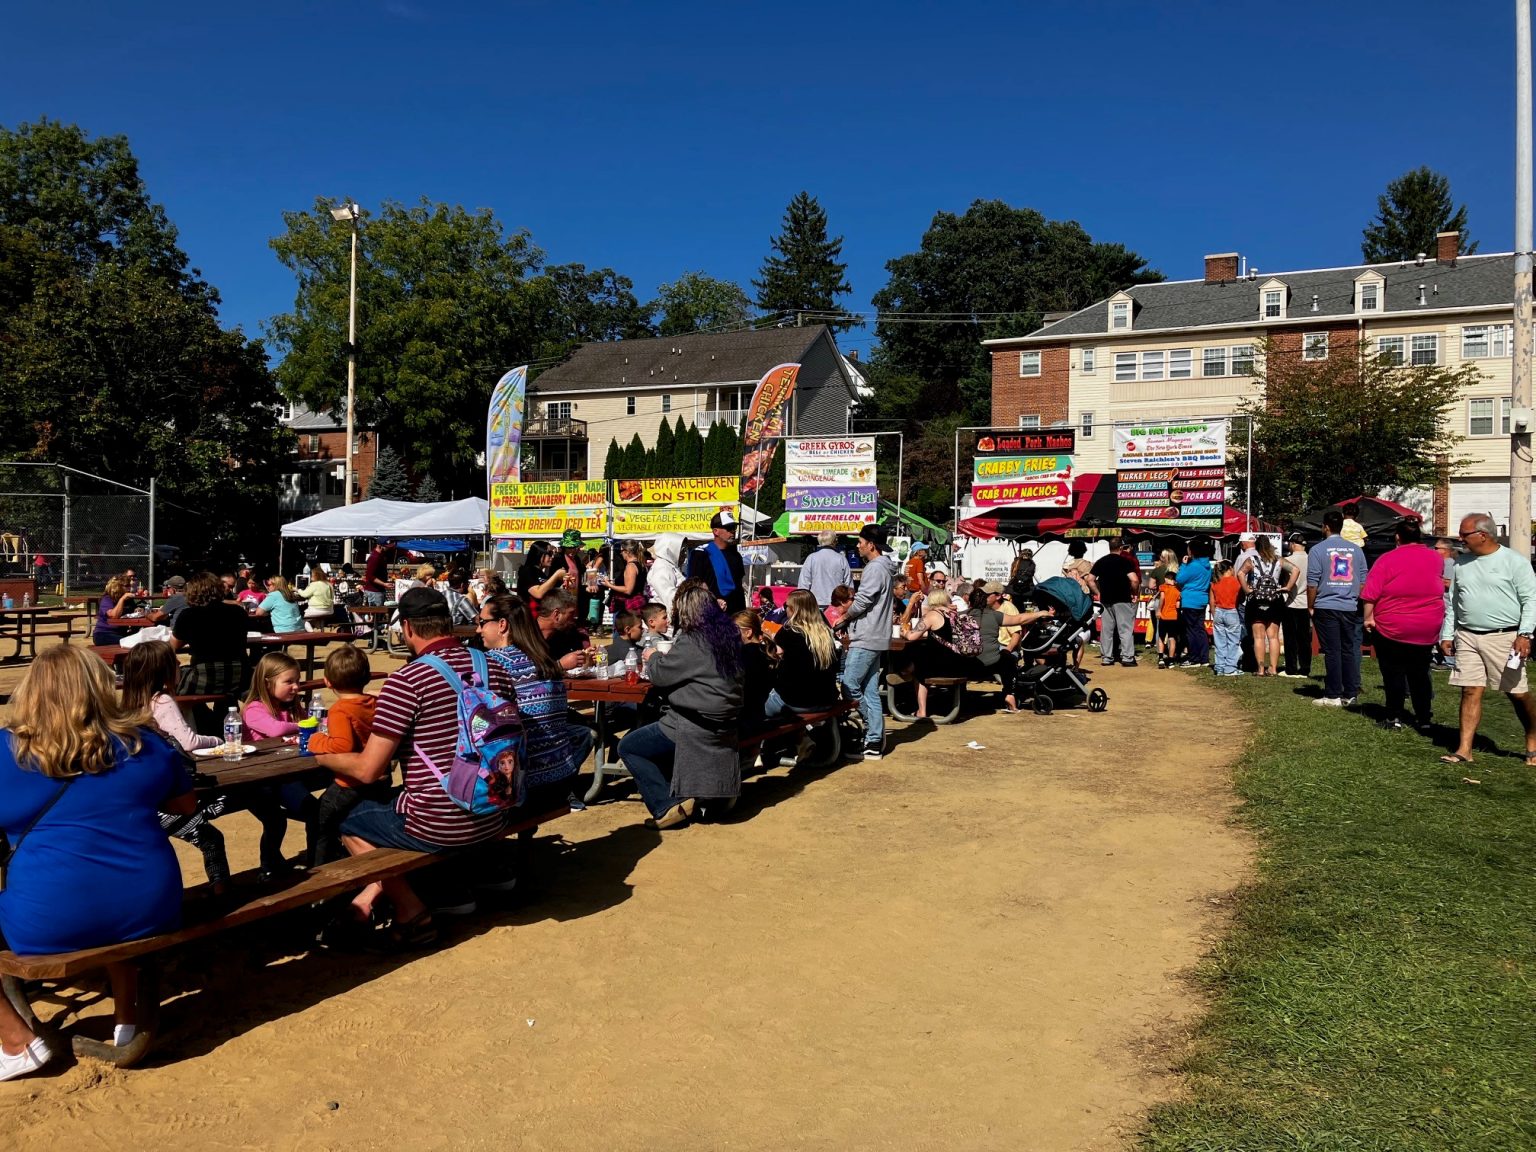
(1221, 267)
(1447, 247)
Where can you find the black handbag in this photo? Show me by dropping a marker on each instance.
(10, 855)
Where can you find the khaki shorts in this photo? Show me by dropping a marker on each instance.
(1480, 662)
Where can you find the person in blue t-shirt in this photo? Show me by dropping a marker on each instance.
(1335, 573)
(1194, 581)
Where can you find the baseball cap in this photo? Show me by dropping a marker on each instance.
(176, 582)
(1246, 536)
(992, 588)
(421, 604)
(723, 519)
(875, 534)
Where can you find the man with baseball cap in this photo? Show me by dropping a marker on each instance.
(718, 563)
(867, 624)
(175, 601)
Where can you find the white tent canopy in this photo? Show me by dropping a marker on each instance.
(395, 518)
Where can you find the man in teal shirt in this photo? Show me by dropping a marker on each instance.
(1492, 616)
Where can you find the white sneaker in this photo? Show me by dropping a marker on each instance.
(1349, 703)
(1328, 702)
(29, 1059)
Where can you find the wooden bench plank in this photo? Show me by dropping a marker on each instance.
(333, 879)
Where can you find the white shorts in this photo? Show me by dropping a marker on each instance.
(1481, 660)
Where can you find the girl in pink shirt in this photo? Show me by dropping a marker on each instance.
(1404, 598)
(273, 708)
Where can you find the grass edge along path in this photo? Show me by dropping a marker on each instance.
(1375, 989)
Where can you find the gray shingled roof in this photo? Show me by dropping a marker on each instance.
(1471, 282)
(306, 421)
(694, 359)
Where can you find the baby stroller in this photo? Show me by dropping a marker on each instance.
(1045, 651)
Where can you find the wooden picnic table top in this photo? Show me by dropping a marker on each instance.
(278, 639)
(616, 690)
(30, 610)
(274, 760)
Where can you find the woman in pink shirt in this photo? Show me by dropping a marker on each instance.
(1404, 600)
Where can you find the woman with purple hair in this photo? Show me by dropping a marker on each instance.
(690, 754)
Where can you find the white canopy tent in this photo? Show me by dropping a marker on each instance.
(395, 519)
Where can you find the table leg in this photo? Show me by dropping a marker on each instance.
(599, 765)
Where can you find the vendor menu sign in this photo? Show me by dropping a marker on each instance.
(830, 483)
(1172, 475)
(1030, 468)
(548, 508)
(716, 490)
(526, 523)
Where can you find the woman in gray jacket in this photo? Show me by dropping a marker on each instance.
(690, 754)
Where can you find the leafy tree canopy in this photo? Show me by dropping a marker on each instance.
(803, 272)
(1415, 207)
(696, 302)
(1327, 430)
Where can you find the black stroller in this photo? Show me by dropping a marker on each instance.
(1046, 676)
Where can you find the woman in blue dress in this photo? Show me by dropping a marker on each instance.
(80, 788)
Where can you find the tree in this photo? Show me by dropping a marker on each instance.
(579, 307)
(803, 273)
(389, 481)
(1326, 430)
(660, 459)
(445, 305)
(679, 448)
(722, 451)
(695, 302)
(613, 463)
(1415, 207)
(689, 458)
(427, 491)
(634, 459)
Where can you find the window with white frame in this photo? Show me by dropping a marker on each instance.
(1214, 362)
(1087, 425)
(1031, 421)
(1242, 359)
(1274, 303)
(1480, 415)
(666, 403)
(1181, 364)
(1120, 314)
(1425, 349)
(1088, 359)
(1029, 363)
(1151, 365)
(1125, 365)
(557, 411)
(629, 405)
(1314, 346)
(1368, 296)
(1481, 341)
(1392, 349)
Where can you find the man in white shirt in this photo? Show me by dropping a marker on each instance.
(825, 569)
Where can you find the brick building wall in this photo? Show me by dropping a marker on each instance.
(1046, 395)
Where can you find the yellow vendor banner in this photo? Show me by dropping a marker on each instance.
(716, 490)
(529, 522)
(550, 494)
(646, 522)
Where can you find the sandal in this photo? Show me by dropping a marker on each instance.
(402, 937)
(1457, 758)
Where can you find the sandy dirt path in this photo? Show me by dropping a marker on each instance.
(946, 949)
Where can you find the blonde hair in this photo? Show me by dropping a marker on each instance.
(268, 669)
(65, 716)
(802, 615)
(115, 588)
(1168, 560)
(280, 586)
(426, 573)
(938, 598)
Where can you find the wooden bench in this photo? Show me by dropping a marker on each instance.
(954, 685)
(802, 722)
(206, 917)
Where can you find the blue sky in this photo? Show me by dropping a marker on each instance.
(657, 137)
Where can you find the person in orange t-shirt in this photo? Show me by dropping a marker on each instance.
(1165, 611)
(917, 572)
(348, 726)
(1226, 624)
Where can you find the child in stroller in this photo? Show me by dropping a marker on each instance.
(1046, 675)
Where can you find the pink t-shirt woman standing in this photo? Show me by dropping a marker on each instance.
(1406, 594)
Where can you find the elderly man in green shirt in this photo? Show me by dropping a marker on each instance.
(1491, 618)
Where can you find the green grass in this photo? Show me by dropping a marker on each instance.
(1375, 990)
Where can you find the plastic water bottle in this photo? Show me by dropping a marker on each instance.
(632, 667)
(318, 712)
(26, 599)
(234, 736)
(600, 664)
(8, 603)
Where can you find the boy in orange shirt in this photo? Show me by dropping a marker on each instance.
(348, 726)
(1165, 611)
(1226, 624)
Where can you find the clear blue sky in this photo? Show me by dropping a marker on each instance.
(657, 137)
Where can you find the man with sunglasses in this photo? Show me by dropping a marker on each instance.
(1492, 616)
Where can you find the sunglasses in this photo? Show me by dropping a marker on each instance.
(482, 621)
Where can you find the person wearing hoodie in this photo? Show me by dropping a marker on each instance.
(665, 574)
(867, 625)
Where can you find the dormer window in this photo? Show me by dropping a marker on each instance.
(1120, 315)
(1369, 292)
(1274, 304)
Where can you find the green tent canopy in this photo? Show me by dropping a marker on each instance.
(901, 521)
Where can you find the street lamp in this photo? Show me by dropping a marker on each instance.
(350, 212)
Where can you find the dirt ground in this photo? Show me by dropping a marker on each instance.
(947, 949)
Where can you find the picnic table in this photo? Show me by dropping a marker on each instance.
(257, 642)
(599, 693)
(376, 618)
(20, 626)
(275, 761)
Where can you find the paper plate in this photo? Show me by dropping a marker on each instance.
(210, 753)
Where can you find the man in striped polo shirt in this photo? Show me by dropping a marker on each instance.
(417, 710)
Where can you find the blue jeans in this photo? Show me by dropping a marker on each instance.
(648, 753)
(373, 599)
(861, 676)
(1338, 635)
(1229, 639)
(1199, 644)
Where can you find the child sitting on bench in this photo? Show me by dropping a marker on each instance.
(348, 726)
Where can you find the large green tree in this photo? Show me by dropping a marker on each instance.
(803, 273)
(577, 306)
(445, 307)
(389, 481)
(993, 271)
(1326, 430)
(1415, 206)
(696, 302)
(112, 358)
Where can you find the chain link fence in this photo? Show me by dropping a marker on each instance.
(74, 538)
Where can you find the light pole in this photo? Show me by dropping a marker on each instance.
(350, 212)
